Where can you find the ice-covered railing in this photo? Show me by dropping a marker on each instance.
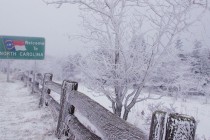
(163, 127)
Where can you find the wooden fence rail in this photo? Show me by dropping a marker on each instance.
(108, 125)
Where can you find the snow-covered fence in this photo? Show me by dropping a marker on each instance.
(109, 125)
(173, 126)
(66, 121)
(163, 127)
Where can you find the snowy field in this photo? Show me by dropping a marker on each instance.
(20, 117)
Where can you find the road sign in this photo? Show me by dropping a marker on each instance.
(16, 47)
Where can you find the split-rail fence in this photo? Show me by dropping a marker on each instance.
(164, 126)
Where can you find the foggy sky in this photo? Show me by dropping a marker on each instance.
(35, 18)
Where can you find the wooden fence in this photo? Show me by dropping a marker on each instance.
(110, 127)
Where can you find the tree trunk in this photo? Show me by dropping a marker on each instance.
(118, 103)
(125, 115)
(118, 109)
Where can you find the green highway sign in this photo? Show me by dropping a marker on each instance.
(16, 47)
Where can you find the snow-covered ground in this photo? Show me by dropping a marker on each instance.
(20, 116)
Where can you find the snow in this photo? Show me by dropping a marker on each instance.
(20, 116)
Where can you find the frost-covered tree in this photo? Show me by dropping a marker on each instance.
(167, 75)
(179, 50)
(114, 27)
(200, 69)
(3, 65)
(102, 76)
(40, 66)
(70, 67)
(179, 44)
(196, 63)
(205, 70)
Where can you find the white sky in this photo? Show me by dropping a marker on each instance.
(35, 18)
(199, 31)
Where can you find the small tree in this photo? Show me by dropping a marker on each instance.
(167, 74)
(200, 69)
(179, 44)
(3, 67)
(196, 63)
(70, 67)
(205, 61)
(114, 26)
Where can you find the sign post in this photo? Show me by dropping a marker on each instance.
(17, 47)
(8, 70)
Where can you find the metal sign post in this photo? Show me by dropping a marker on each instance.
(8, 70)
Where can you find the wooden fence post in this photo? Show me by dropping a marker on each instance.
(33, 81)
(39, 78)
(47, 77)
(172, 126)
(180, 127)
(157, 127)
(66, 86)
(36, 86)
(30, 79)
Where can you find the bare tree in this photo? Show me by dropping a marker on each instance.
(130, 35)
